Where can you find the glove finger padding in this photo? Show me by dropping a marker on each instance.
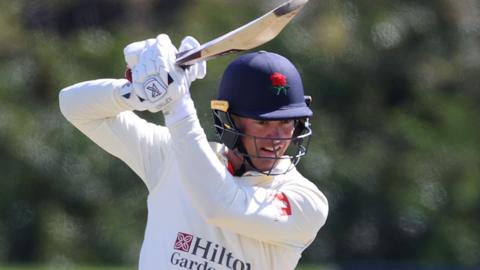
(132, 52)
(146, 62)
(197, 70)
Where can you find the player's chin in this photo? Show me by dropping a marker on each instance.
(264, 164)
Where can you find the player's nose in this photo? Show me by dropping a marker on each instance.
(273, 132)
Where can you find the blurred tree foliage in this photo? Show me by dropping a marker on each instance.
(396, 147)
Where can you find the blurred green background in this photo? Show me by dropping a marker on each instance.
(396, 145)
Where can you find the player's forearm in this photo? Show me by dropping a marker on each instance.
(204, 177)
(92, 100)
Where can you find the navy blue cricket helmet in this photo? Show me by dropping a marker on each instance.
(262, 86)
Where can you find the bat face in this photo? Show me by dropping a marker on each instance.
(248, 36)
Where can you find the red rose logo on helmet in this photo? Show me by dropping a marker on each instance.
(279, 83)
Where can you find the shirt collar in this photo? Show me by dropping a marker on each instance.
(254, 177)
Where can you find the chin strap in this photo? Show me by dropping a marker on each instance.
(246, 160)
(240, 170)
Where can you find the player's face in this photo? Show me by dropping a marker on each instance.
(267, 139)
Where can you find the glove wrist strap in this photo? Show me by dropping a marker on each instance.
(179, 110)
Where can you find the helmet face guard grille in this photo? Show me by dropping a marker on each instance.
(231, 136)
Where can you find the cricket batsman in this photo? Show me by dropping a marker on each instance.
(239, 204)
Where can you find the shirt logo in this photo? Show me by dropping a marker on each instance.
(197, 253)
(283, 204)
(183, 242)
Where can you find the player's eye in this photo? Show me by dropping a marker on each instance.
(288, 122)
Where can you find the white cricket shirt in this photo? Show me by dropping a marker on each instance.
(199, 216)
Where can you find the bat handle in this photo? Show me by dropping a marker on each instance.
(179, 61)
(128, 71)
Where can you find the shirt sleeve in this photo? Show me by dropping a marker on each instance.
(97, 110)
(291, 215)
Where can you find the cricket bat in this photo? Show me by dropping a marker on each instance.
(248, 36)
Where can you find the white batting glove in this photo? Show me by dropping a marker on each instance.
(157, 81)
(199, 70)
(132, 93)
(183, 107)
